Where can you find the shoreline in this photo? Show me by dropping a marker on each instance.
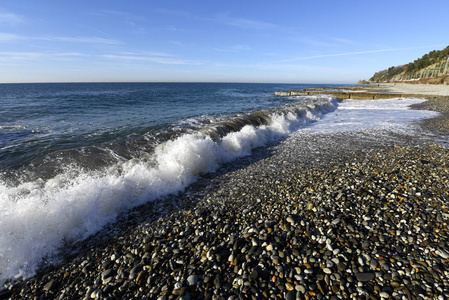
(341, 215)
(419, 89)
(375, 91)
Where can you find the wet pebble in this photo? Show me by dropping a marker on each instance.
(369, 221)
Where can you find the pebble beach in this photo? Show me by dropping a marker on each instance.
(421, 89)
(345, 216)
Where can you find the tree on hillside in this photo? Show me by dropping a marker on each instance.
(434, 56)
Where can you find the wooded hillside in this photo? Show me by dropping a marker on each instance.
(432, 67)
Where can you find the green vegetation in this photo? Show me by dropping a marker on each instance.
(427, 60)
(387, 75)
(435, 59)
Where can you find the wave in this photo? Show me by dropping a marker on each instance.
(38, 215)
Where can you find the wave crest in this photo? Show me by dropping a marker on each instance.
(37, 216)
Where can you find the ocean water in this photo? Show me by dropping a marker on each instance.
(74, 156)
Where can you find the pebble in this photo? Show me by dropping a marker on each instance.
(312, 229)
(300, 288)
(192, 280)
(50, 286)
(365, 276)
(443, 253)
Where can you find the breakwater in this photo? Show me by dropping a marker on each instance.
(348, 94)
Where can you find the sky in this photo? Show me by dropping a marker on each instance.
(281, 41)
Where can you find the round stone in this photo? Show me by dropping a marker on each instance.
(365, 276)
(192, 280)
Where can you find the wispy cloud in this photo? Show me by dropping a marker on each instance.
(69, 54)
(352, 53)
(153, 58)
(10, 18)
(128, 19)
(244, 23)
(176, 13)
(10, 37)
(122, 14)
(144, 53)
(344, 41)
(177, 43)
(312, 42)
(19, 56)
(80, 39)
(236, 48)
(222, 18)
(330, 43)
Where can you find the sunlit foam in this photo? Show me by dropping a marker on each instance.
(37, 217)
(358, 115)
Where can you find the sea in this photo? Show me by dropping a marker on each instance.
(73, 156)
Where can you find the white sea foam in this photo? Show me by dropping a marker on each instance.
(12, 128)
(37, 217)
(358, 115)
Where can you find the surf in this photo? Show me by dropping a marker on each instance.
(38, 215)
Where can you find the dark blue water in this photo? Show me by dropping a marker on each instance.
(39, 119)
(74, 156)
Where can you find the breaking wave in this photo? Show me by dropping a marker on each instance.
(39, 213)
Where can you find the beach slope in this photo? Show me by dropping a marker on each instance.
(348, 215)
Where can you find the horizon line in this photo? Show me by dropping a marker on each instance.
(234, 82)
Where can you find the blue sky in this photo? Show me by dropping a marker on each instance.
(214, 41)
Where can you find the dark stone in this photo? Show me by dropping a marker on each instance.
(291, 295)
(341, 267)
(322, 287)
(135, 271)
(218, 281)
(5, 293)
(295, 252)
(254, 275)
(365, 276)
(50, 286)
(142, 277)
(108, 273)
(180, 291)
